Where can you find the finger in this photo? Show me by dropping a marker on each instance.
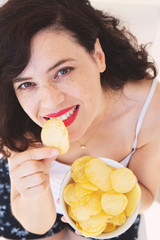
(58, 201)
(63, 219)
(78, 233)
(32, 167)
(33, 154)
(23, 175)
(28, 168)
(33, 180)
(47, 163)
(35, 190)
(42, 153)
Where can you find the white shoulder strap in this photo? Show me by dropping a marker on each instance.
(144, 110)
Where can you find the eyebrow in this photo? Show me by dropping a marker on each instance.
(60, 63)
(19, 79)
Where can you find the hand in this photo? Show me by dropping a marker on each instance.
(63, 219)
(29, 170)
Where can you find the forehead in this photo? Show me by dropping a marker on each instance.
(52, 39)
(49, 47)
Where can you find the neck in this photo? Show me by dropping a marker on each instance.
(96, 126)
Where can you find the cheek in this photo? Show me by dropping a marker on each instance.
(88, 92)
(28, 104)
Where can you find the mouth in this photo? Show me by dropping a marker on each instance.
(67, 115)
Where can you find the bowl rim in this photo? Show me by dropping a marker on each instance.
(119, 230)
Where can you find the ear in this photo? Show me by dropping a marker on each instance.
(99, 56)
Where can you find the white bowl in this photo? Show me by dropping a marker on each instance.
(119, 230)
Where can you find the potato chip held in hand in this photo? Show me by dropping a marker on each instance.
(55, 134)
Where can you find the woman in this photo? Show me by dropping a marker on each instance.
(65, 59)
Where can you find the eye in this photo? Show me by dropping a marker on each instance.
(63, 71)
(26, 85)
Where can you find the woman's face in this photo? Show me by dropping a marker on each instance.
(62, 80)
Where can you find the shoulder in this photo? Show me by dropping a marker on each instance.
(145, 161)
(150, 130)
(153, 113)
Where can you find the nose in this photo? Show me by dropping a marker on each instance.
(51, 96)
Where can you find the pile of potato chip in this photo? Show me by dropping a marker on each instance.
(100, 197)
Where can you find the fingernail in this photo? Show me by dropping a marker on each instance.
(63, 219)
(58, 201)
(78, 233)
(41, 144)
(54, 152)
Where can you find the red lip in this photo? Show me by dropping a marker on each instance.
(68, 121)
(52, 115)
(71, 119)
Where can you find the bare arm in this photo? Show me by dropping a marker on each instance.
(31, 198)
(145, 163)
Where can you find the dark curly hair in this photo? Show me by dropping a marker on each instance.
(20, 20)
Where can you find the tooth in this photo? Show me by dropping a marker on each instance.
(66, 117)
(63, 117)
(68, 114)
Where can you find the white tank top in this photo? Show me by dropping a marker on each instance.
(59, 170)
